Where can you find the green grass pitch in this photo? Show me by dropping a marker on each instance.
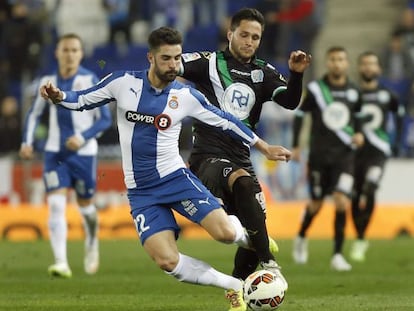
(128, 280)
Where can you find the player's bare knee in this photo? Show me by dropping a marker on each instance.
(167, 262)
(227, 235)
(223, 232)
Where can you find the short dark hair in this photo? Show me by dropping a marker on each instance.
(249, 14)
(368, 53)
(162, 36)
(70, 35)
(336, 48)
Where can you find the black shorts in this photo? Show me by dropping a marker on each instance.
(214, 174)
(328, 176)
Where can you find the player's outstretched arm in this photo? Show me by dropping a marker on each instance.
(273, 152)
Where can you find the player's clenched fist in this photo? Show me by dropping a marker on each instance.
(299, 61)
(50, 91)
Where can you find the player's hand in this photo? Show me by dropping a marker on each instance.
(26, 152)
(299, 61)
(358, 140)
(278, 153)
(50, 91)
(74, 143)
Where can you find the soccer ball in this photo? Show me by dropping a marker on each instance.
(263, 291)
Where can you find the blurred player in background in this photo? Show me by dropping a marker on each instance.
(70, 155)
(378, 103)
(334, 104)
(235, 81)
(151, 105)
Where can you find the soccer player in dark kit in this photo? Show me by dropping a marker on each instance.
(334, 104)
(377, 102)
(235, 80)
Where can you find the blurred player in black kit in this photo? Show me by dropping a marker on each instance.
(238, 82)
(334, 104)
(377, 102)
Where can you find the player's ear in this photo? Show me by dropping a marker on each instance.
(150, 57)
(229, 35)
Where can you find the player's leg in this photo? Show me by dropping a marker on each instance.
(369, 185)
(317, 187)
(56, 180)
(341, 198)
(83, 173)
(158, 231)
(300, 251)
(249, 205)
(241, 195)
(358, 200)
(372, 180)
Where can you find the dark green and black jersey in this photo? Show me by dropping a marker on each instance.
(334, 117)
(378, 104)
(238, 88)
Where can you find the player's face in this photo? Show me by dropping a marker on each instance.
(69, 54)
(369, 68)
(244, 40)
(337, 64)
(166, 62)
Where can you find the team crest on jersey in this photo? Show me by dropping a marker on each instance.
(336, 116)
(189, 57)
(257, 75)
(173, 102)
(161, 121)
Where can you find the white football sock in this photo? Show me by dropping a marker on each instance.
(191, 270)
(57, 226)
(90, 224)
(242, 238)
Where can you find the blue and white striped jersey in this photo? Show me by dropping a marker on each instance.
(149, 122)
(64, 123)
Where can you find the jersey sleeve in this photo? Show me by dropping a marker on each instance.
(95, 96)
(103, 122)
(194, 66)
(307, 105)
(32, 118)
(205, 112)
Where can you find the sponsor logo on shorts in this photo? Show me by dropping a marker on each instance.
(226, 171)
(204, 201)
(189, 207)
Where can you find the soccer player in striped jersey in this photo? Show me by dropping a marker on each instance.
(70, 155)
(377, 102)
(151, 105)
(334, 105)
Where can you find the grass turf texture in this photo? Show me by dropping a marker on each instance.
(128, 280)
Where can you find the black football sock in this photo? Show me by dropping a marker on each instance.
(357, 217)
(306, 222)
(245, 263)
(340, 219)
(367, 213)
(251, 216)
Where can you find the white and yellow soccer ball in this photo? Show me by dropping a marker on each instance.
(263, 291)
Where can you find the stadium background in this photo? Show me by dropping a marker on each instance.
(357, 25)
